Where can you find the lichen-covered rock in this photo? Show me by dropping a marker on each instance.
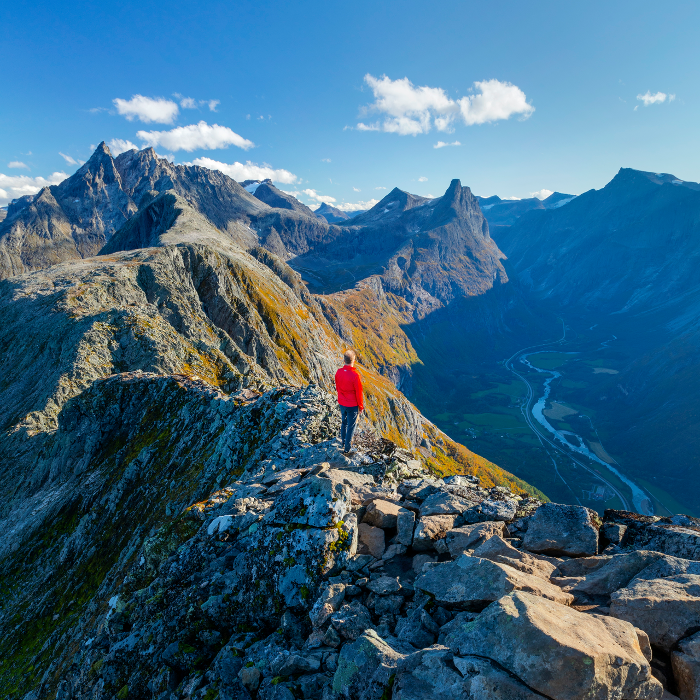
(557, 651)
(559, 529)
(315, 501)
(365, 668)
(470, 583)
(405, 523)
(352, 620)
(666, 609)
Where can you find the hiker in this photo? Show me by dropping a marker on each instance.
(350, 399)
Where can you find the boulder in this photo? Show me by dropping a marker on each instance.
(405, 522)
(384, 585)
(365, 668)
(382, 514)
(686, 668)
(666, 609)
(461, 539)
(351, 620)
(492, 509)
(498, 550)
(614, 574)
(315, 501)
(470, 583)
(442, 503)
(372, 538)
(558, 529)
(329, 600)
(431, 529)
(484, 680)
(362, 486)
(557, 651)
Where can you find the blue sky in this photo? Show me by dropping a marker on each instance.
(540, 96)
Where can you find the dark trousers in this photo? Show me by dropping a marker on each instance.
(347, 427)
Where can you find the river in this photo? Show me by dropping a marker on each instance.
(640, 499)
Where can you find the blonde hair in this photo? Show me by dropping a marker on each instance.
(349, 356)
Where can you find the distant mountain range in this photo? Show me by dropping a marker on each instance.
(505, 212)
(334, 215)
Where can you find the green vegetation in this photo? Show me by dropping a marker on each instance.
(550, 360)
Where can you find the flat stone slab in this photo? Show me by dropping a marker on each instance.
(467, 537)
(471, 583)
(443, 503)
(498, 550)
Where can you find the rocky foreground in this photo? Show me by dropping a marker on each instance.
(316, 576)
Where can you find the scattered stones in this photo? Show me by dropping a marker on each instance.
(558, 529)
(351, 620)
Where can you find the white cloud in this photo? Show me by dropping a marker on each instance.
(422, 179)
(355, 189)
(325, 160)
(117, 146)
(195, 136)
(409, 110)
(657, 98)
(442, 144)
(13, 186)
(188, 103)
(495, 101)
(68, 159)
(380, 188)
(512, 199)
(17, 164)
(247, 171)
(147, 109)
(213, 104)
(541, 194)
(319, 197)
(354, 206)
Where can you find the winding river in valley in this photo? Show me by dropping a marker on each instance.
(566, 442)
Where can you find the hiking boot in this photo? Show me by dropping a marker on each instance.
(351, 453)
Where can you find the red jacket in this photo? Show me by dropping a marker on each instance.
(349, 386)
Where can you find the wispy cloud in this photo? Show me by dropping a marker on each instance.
(195, 136)
(657, 98)
(380, 188)
(355, 189)
(147, 109)
(69, 159)
(13, 186)
(409, 110)
(119, 146)
(213, 104)
(247, 171)
(422, 179)
(443, 144)
(541, 194)
(17, 164)
(192, 103)
(325, 160)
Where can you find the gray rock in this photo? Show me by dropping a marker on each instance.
(666, 609)
(461, 539)
(442, 503)
(315, 501)
(559, 529)
(373, 538)
(498, 550)
(384, 585)
(557, 651)
(405, 522)
(484, 680)
(327, 603)
(365, 668)
(420, 560)
(382, 514)
(686, 667)
(426, 675)
(351, 620)
(491, 509)
(290, 664)
(430, 529)
(613, 532)
(469, 583)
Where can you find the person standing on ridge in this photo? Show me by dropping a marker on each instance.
(350, 398)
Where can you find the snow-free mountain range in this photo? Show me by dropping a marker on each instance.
(169, 340)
